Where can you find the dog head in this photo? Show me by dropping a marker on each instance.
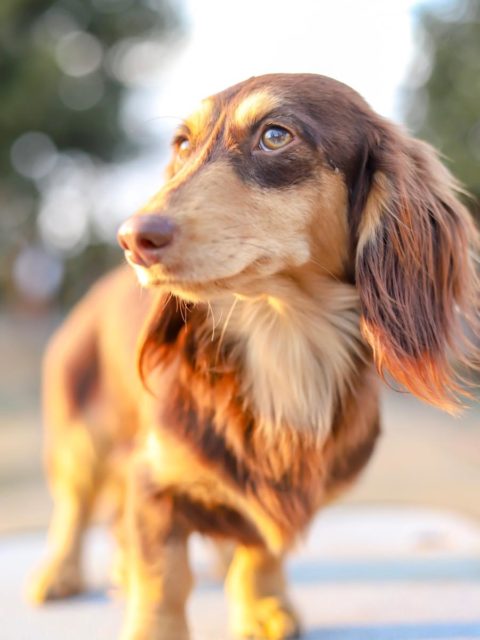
(283, 175)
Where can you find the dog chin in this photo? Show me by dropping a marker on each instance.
(144, 275)
(156, 276)
(191, 291)
(248, 282)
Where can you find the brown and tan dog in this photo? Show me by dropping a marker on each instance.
(299, 243)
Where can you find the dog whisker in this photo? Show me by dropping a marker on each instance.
(224, 328)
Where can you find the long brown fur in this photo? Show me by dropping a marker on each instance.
(415, 271)
(238, 393)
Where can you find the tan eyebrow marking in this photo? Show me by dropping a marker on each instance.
(254, 107)
(201, 118)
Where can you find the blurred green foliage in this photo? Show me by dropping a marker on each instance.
(443, 105)
(37, 91)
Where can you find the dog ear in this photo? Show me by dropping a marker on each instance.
(415, 271)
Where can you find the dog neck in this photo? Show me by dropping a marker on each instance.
(297, 351)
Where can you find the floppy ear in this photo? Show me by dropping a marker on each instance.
(415, 267)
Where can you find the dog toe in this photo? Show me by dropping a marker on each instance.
(54, 581)
(268, 619)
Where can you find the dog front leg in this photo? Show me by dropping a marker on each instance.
(158, 574)
(259, 604)
(75, 476)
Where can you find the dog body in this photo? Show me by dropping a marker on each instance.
(300, 243)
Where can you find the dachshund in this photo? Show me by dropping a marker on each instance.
(300, 246)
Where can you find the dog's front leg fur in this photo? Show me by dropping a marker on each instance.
(159, 577)
(259, 605)
(76, 472)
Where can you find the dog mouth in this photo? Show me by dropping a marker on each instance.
(157, 276)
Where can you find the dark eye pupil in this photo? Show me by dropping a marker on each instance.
(275, 134)
(275, 138)
(184, 146)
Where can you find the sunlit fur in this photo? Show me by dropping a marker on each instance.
(313, 335)
(254, 107)
(416, 275)
(236, 392)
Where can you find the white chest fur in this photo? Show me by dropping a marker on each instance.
(297, 352)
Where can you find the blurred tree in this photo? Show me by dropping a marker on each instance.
(62, 83)
(443, 94)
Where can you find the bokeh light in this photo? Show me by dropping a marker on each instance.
(78, 53)
(33, 155)
(37, 274)
(63, 219)
(81, 93)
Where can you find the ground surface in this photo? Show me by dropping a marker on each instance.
(363, 574)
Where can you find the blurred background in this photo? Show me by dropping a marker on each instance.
(90, 91)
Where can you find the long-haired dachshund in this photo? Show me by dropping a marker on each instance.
(300, 244)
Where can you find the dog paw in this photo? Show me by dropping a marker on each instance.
(154, 635)
(267, 619)
(54, 581)
(161, 627)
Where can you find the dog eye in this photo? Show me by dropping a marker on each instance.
(275, 138)
(183, 147)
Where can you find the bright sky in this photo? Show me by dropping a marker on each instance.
(364, 43)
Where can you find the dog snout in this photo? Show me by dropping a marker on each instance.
(144, 237)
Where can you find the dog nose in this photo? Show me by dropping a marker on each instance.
(145, 236)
